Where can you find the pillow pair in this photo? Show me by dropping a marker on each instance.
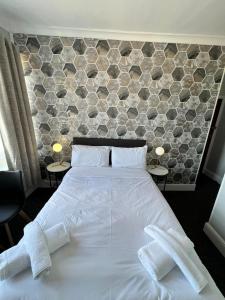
(98, 156)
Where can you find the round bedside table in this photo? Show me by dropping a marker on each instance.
(158, 171)
(56, 168)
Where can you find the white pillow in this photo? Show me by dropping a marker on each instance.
(129, 157)
(90, 156)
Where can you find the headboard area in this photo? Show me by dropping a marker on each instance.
(108, 142)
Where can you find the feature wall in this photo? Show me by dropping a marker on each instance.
(164, 93)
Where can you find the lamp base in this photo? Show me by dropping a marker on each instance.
(59, 163)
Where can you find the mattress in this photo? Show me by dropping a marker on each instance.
(105, 210)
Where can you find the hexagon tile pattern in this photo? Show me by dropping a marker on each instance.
(164, 93)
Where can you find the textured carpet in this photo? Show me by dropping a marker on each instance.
(191, 208)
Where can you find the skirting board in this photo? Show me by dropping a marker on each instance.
(212, 175)
(214, 236)
(169, 187)
(177, 187)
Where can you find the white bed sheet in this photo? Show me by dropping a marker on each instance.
(106, 210)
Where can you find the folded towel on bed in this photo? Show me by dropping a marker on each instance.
(187, 263)
(36, 246)
(16, 259)
(156, 261)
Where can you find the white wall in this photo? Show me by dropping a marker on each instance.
(215, 162)
(215, 228)
(199, 21)
(217, 218)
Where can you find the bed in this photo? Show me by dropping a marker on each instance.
(105, 210)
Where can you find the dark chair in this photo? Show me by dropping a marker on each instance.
(12, 199)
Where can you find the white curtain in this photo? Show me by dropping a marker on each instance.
(16, 127)
(3, 162)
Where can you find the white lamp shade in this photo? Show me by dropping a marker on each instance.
(159, 151)
(57, 147)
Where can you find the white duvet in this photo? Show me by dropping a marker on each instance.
(106, 211)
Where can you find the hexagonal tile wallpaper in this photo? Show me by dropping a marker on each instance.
(164, 93)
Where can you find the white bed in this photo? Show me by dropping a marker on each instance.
(106, 210)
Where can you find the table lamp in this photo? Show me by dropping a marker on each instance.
(57, 147)
(159, 152)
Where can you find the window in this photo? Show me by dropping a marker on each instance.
(3, 163)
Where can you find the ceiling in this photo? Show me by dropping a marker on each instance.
(181, 20)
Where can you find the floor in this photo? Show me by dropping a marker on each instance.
(191, 208)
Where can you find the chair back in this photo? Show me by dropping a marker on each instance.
(11, 187)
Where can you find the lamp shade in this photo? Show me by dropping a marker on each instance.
(159, 151)
(57, 147)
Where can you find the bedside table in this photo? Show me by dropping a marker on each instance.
(58, 170)
(158, 172)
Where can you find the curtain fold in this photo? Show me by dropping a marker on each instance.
(16, 127)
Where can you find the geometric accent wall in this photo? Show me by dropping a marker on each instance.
(164, 93)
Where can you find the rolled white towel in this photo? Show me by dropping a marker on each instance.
(36, 246)
(156, 261)
(15, 259)
(186, 262)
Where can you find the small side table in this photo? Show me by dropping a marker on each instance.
(57, 169)
(158, 172)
